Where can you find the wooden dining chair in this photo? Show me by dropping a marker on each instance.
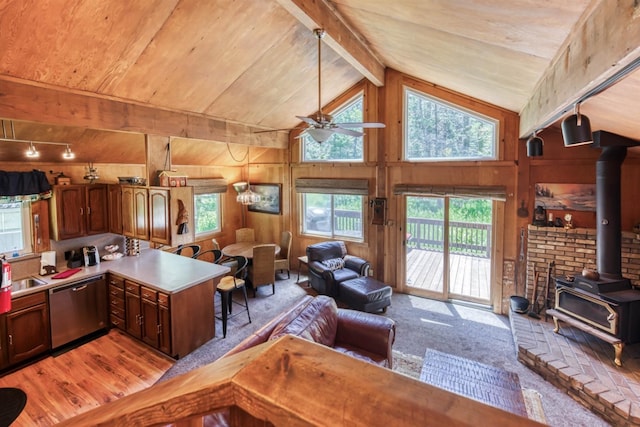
(262, 270)
(245, 235)
(282, 260)
(234, 281)
(215, 244)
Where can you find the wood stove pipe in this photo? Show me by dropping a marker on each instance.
(608, 216)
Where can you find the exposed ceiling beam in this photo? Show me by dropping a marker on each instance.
(602, 44)
(42, 104)
(344, 40)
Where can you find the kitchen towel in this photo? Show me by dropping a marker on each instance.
(66, 273)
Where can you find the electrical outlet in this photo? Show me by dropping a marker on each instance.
(371, 272)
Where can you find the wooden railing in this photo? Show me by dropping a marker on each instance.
(464, 238)
(295, 382)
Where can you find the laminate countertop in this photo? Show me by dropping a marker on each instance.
(157, 269)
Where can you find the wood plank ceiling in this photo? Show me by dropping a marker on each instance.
(220, 70)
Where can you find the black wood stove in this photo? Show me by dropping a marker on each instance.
(608, 307)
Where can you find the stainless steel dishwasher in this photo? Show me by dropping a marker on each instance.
(77, 309)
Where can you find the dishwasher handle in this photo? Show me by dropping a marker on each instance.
(75, 286)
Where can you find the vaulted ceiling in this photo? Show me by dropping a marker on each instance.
(222, 70)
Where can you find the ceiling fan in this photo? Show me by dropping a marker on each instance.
(321, 126)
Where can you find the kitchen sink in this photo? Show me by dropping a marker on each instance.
(29, 282)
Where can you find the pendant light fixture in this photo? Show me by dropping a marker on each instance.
(245, 195)
(534, 146)
(576, 129)
(31, 151)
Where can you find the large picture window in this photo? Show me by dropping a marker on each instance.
(338, 147)
(438, 131)
(333, 215)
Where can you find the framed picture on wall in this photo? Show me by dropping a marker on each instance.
(270, 195)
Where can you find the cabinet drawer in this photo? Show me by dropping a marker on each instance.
(148, 294)
(28, 301)
(163, 300)
(132, 287)
(116, 302)
(116, 281)
(117, 322)
(114, 291)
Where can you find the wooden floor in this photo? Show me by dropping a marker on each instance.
(105, 369)
(469, 276)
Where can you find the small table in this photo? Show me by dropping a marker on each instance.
(244, 249)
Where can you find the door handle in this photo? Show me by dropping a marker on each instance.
(80, 288)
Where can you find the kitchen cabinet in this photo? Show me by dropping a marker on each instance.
(26, 331)
(116, 302)
(114, 196)
(135, 218)
(146, 313)
(79, 210)
(164, 211)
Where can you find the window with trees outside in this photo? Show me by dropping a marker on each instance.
(15, 229)
(207, 213)
(333, 215)
(338, 147)
(436, 130)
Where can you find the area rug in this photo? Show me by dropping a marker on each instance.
(484, 383)
(407, 364)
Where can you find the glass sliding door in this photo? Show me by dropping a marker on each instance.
(451, 232)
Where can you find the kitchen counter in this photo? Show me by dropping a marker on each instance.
(157, 269)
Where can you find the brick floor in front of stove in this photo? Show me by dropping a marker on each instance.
(583, 366)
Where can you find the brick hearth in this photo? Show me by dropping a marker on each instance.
(573, 360)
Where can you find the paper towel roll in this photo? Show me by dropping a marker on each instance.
(47, 258)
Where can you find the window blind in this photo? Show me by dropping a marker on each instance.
(332, 186)
(208, 185)
(498, 193)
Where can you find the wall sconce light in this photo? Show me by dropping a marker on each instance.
(534, 146)
(576, 129)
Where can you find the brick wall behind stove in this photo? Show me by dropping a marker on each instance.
(572, 250)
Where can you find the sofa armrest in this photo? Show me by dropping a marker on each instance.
(370, 332)
(357, 264)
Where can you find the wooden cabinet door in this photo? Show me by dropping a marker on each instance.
(132, 309)
(164, 322)
(141, 215)
(150, 327)
(97, 215)
(128, 212)
(28, 332)
(159, 219)
(115, 208)
(4, 361)
(68, 212)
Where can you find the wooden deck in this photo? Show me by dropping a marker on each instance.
(469, 276)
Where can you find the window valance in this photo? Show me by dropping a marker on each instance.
(332, 186)
(498, 193)
(24, 186)
(208, 185)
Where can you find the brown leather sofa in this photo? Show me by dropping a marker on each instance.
(329, 265)
(366, 336)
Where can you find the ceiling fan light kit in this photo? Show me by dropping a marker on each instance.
(321, 126)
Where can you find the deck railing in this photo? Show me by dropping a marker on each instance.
(472, 239)
(465, 238)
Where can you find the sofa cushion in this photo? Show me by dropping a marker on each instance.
(317, 322)
(333, 263)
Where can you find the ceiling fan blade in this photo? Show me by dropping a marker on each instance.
(338, 129)
(361, 125)
(308, 120)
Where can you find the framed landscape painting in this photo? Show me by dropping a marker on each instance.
(269, 198)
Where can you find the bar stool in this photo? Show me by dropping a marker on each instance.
(227, 285)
